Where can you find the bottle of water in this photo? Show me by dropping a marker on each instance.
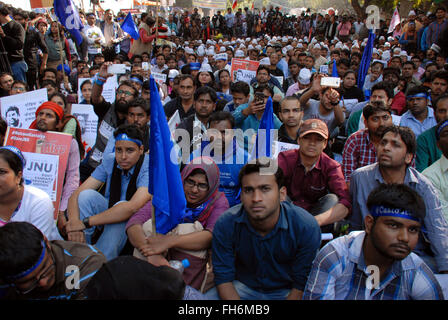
(179, 265)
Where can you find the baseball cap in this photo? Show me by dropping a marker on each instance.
(313, 126)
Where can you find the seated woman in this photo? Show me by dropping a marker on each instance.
(192, 238)
(20, 202)
(125, 177)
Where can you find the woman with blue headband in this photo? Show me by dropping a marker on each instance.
(21, 202)
(124, 175)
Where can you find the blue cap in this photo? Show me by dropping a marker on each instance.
(185, 263)
(195, 65)
(66, 68)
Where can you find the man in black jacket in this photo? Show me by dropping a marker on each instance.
(12, 37)
(190, 131)
(33, 42)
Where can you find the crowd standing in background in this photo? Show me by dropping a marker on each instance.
(363, 163)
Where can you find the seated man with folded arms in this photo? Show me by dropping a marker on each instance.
(34, 268)
(378, 263)
(125, 177)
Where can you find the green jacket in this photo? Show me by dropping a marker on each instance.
(427, 151)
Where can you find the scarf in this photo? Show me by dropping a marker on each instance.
(203, 210)
(115, 183)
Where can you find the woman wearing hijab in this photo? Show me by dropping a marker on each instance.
(192, 238)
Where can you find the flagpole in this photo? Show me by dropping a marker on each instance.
(157, 21)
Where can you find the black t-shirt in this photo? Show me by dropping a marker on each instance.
(14, 40)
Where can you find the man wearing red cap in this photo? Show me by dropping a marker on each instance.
(314, 181)
(49, 118)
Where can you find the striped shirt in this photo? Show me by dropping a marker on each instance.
(358, 152)
(434, 31)
(339, 273)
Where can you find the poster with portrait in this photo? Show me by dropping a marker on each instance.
(19, 110)
(88, 121)
(41, 144)
(244, 70)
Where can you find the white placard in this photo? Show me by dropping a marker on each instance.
(41, 171)
(283, 146)
(88, 121)
(19, 110)
(160, 78)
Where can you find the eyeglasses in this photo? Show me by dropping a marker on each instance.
(201, 186)
(44, 275)
(126, 93)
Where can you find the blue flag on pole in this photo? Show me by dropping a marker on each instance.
(165, 183)
(129, 27)
(334, 71)
(68, 16)
(365, 61)
(264, 140)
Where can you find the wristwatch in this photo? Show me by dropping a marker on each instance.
(86, 223)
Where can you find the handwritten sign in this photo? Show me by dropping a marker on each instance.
(160, 78)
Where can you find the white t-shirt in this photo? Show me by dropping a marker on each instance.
(37, 208)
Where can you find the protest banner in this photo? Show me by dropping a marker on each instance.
(109, 88)
(19, 110)
(160, 78)
(41, 170)
(244, 70)
(88, 120)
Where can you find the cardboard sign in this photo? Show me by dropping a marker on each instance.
(88, 120)
(19, 110)
(245, 70)
(40, 169)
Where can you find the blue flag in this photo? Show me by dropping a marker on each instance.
(68, 16)
(129, 27)
(264, 140)
(334, 71)
(365, 61)
(165, 183)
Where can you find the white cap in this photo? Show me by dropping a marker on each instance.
(205, 67)
(387, 44)
(222, 49)
(173, 74)
(265, 61)
(239, 54)
(304, 76)
(412, 13)
(403, 53)
(338, 45)
(210, 51)
(390, 39)
(397, 50)
(374, 51)
(289, 47)
(221, 56)
(317, 46)
(382, 38)
(258, 47)
(201, 51)
(300, 45)
(189, 50)
(250, 47)
(247, 39)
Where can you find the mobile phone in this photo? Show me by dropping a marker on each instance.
(333, 82)
(145, 66)
(259, 96)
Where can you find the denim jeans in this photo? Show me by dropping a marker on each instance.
(113, 237)
(19, 70)
(247, 293)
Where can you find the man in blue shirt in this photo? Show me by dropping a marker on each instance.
(395, 153)
(264, 247)
(378, 263)
(225, 151)
(125, 176)
(419, 117)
